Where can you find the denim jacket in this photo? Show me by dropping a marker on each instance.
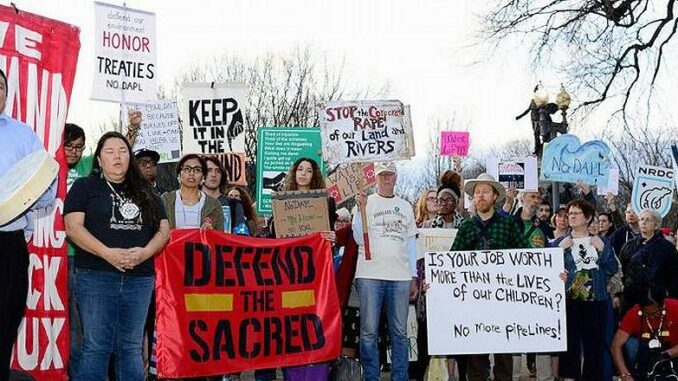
(607, 267)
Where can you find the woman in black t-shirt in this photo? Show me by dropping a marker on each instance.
(116, 224)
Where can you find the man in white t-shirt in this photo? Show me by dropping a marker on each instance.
(389, 276)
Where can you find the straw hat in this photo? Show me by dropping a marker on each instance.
(484, 178)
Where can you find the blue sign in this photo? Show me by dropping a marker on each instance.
(566, 160)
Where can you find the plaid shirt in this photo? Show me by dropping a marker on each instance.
(502, 233)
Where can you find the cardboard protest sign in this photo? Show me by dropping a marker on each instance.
(298, 213)
(277, 150)
(234, 164)
(434, 239)
(213, 117)
(653, 189)
(39, 57)
(519, 173)
(348, 179)
(508, 301)
(365, 131)
(566, 160)
(159, 130)
(454, 143)
(125, 55)
(612, 184)
(228, 303)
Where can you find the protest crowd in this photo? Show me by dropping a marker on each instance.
(333, 276)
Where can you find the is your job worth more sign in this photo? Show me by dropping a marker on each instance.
(507, 301)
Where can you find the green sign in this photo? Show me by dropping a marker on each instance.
(278, 149)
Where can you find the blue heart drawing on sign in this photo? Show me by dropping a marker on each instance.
(566, 160)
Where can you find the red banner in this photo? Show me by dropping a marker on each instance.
(229, 303)
(39, 57)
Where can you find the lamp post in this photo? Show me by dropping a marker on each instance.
(543, 127)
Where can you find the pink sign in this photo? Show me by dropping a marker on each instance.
(454, 143)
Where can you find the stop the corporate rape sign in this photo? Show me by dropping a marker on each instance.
(229, 303)
(510, 301)
(365, 131)
(125, 58)
(213, 117)
(39, 57)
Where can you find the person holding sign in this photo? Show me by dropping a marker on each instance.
(117, 225)
(390, 276)
(590, 264)
(305, 175)
(17, 141)
(488, 230)
(189, 207)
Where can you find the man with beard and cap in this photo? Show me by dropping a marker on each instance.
(488, 230)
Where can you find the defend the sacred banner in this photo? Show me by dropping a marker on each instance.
(230, 303)
(39, 57)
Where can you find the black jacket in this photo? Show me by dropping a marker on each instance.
(649, 264)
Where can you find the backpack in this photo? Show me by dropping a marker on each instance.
(346, 369)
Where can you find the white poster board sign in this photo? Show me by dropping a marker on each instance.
(519, 173)
(213, 117)
(434, 239)
(365, 131)
(159, 130)
(612, 184)
(125, 55)
(508, 301)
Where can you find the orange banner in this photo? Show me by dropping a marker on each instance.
(229, 303)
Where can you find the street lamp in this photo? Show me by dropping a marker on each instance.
(543, 127)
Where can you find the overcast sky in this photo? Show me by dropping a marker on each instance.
(420, 48)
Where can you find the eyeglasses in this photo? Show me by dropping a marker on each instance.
(574, 213)
(71, 147)
(188, 169)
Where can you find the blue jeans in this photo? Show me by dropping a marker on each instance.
(73, 320)
(374, 292)
(113, 309)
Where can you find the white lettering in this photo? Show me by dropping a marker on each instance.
(45, 235)
(28, 361)
(36, 111)
(26, 42)
(51, 299)
(4, 25)
(33, 294)
(51, 354)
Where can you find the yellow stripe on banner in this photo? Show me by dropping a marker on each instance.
(208, 302)
(296, 299)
